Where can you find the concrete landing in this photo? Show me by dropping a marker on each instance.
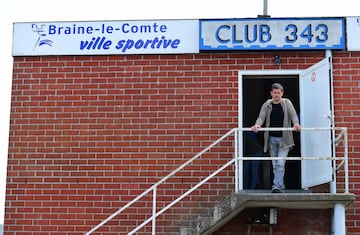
(296, 199)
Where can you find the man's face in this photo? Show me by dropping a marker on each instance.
(276, 94)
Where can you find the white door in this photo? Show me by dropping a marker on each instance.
(315, 112)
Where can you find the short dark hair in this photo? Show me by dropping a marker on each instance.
(277, 86)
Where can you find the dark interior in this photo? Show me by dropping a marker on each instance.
(256, 90)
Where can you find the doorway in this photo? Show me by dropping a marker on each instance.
(255, 91)
(311, 91)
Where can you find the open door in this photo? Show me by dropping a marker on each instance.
(315, 112)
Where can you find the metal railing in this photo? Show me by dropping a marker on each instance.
(238, 159)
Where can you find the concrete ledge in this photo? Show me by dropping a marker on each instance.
(295, 200)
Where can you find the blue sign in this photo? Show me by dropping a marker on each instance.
(272, 34)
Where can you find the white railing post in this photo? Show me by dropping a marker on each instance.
(241, 158)
(346, 160)
(236, 156)
(154, 212)
(333, 187)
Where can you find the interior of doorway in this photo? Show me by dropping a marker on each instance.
(256, 90)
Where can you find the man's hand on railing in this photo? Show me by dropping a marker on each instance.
(297, 127)
(255, 128)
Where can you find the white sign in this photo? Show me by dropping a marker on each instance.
(272, 34)
(353, 33)
(109, 37)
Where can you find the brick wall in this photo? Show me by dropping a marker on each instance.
(90, 133)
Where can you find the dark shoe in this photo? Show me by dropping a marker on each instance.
(275, 190)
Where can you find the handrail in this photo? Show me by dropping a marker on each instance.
(160, 181)
(236, 130)
(342, 134)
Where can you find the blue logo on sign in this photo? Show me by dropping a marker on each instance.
(41, 41)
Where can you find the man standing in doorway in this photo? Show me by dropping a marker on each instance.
(277, 112)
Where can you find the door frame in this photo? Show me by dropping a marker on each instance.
(255, 73)
(300, 74)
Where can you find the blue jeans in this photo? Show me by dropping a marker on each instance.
(251, 171)
(276, 150)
